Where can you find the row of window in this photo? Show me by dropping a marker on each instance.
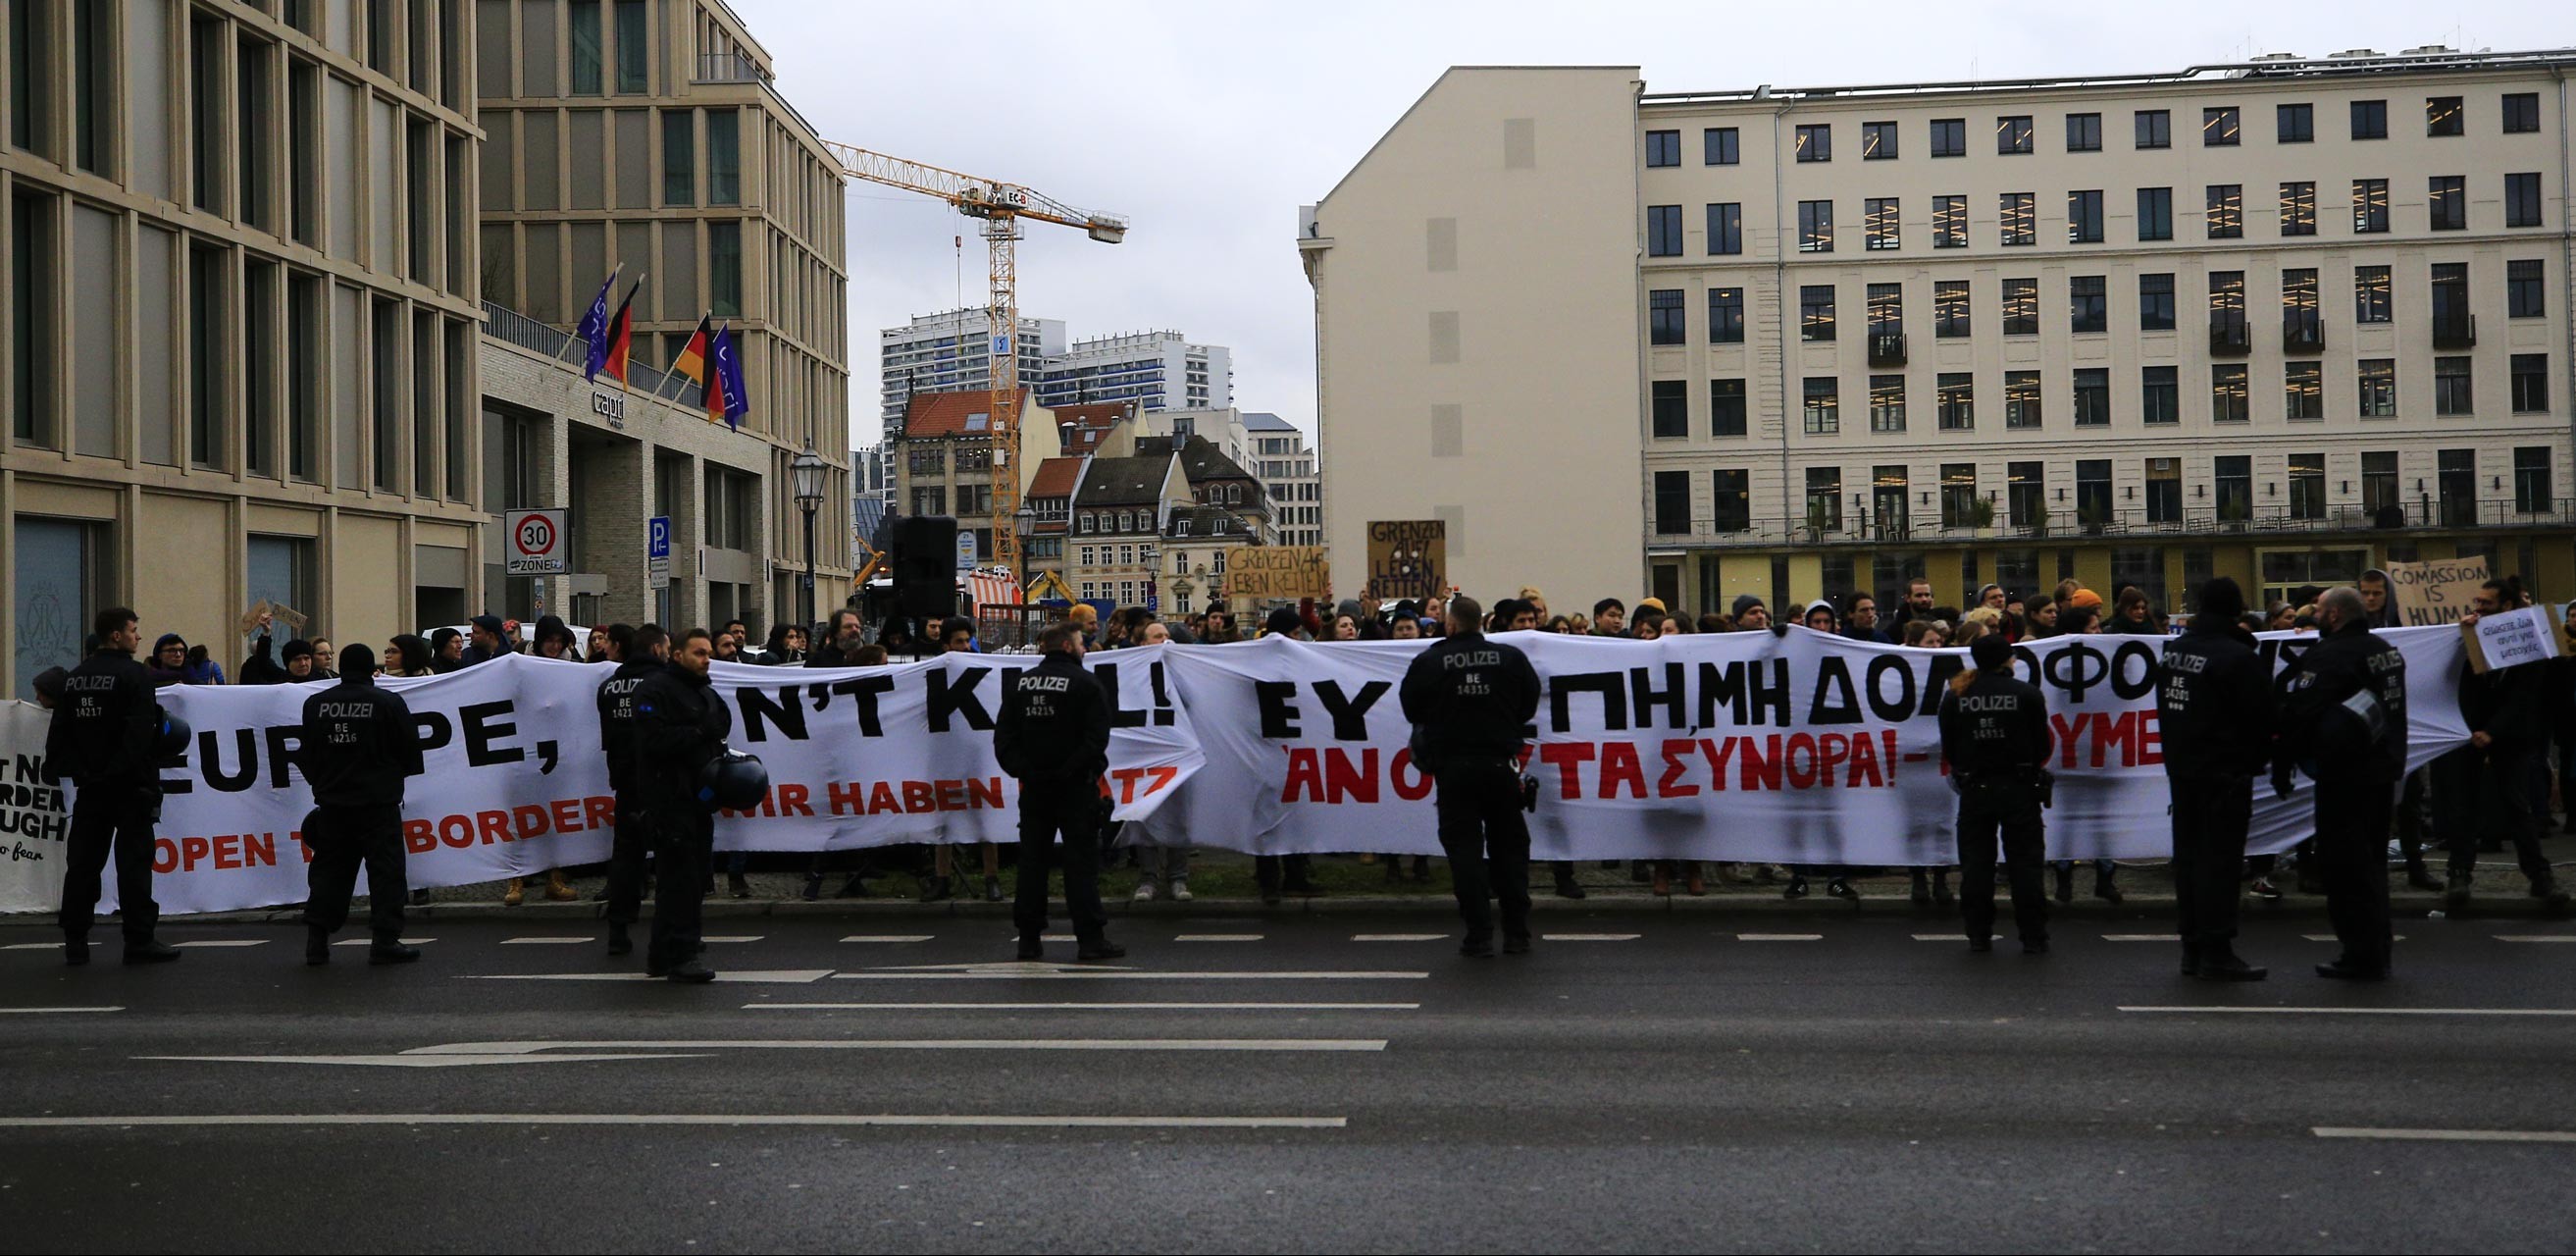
(1127, 556)
(2221, 126)
(2088, 304)
(2017, 216)
(2158, 401)
(1888, 505)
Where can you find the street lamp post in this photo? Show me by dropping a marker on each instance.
(808, 472)
(1024, 524)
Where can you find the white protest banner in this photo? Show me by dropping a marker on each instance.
(34, 819)
(2510, 639)
(1806, 748)
(516, 782)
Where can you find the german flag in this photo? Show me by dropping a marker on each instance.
(692, 361)
(621, 332)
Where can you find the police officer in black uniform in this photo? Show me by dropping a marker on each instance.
(2343, 722)
(103, 739)
(1470, 700)
(358, 746)
(648, 650)
(1053, 737)
(2214, 705)
(680, 727)
(1995, 735)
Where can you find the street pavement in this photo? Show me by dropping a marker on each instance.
(1293, 1082)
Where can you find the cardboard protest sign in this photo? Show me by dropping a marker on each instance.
(2436, 592)
(1283, 573)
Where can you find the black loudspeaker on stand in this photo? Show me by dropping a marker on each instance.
(925, 566)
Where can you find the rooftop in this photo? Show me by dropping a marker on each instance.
(1056, 478)
(1200, 459)
(2429, 59)
(1264, 421)
(1087, 424)
(931, 416)
(1125, 481)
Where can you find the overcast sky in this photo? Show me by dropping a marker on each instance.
(1207, 125)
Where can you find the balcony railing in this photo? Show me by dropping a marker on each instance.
(2458, 331)
(2192, 522)
(2229, 335)
(1887, 348)
(729, 67)
(503, 323)
(2303, 332)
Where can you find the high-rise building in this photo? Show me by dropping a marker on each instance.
(1159, 370)
(2282, 321)
(648, 136)
(240, 352)
(952, 351)
(1286, 467)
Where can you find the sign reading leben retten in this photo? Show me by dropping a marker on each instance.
(2436, 592)
(1408, 558)
(2510, 639)
(1277, 572)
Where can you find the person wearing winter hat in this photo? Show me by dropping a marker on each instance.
(487, 642)
(298, 656)
(1750, 614)
(555, 639)
(1820, 617)
(2215, 707)
(1285, 622)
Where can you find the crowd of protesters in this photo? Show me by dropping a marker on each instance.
(2498, 792)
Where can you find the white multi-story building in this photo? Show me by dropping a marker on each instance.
(1279, 458)
(1159, 370)
(2281, 320)
(952, 351)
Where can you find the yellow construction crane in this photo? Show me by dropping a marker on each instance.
(1000, 206)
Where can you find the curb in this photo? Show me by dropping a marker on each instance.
(2137, 906)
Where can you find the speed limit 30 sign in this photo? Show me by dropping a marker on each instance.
(536, 543)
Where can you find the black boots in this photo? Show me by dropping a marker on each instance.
(620, 942)
(388, 948)
(317, 945)
(152, 952)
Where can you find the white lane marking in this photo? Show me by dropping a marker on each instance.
(1589, 937)
(1398, 937)
(888, 937)
(456, 1054)
(754, 937)
(2328, 937)
(686, 1118)
(1085, 1007)
(2367, 1011)
(1940, 937)
(419, 1061)
(2446, 1136)
(1216, 937)
(2536, 937)
(550, 939)
(49, 1011)
(417, 941)
(1041, 973)
(32, 946)
(795, 976)
(1779, 937)
(2142, 937)
(223, 942)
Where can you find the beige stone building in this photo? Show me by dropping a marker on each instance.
(2282, 321)
(649, 134)
(240, 323)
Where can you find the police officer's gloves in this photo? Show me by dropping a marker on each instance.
(2283, 784)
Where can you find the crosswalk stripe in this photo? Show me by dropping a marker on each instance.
(1590, 937)
(49, 1011)
(2328, 937)
(691, 1118)
(1083, 1007)
(792, 976)
(1217, 937)
(2142, 937)
(1940, 937)
(1124, 975)
(2536, 937)
(406, 941)
(223, 942)
(751, 937)
(888, 937)
(552, 939)
(1779, 937)
(1398, 937)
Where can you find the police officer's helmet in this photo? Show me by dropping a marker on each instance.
(732, 781)
(172, 740)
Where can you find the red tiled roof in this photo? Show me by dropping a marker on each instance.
(1085, 425)
(1056, 477)
(931, 416)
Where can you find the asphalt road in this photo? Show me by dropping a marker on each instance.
(1292, 1083)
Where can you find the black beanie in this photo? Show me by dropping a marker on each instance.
(2222, 600)
(1990, 652)
(357, 661)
